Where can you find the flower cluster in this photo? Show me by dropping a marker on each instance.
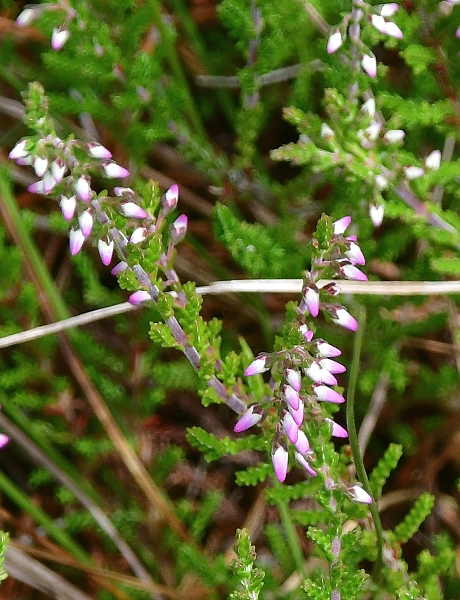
(308, 370)
(375, 133)
(64, 169)
(349, 28)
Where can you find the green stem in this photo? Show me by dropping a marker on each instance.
(353, 436)
(291, 534)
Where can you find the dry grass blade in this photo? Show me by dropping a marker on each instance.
(271, 286)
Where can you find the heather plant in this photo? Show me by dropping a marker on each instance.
(366, 160)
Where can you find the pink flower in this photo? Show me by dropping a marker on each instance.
(327, 395)
(119, 268)
(83, 189)
(388, 10)
(359, 495)
(291, 396)
(337, 430)
(311, 297)
(290, 428)
(334, 42)
(376, 214)
(297, 413)
(114, 171)
(68, 206)
(293, 378)
(394, 135)
(249, 419)
(85, 220)
(331, 365)
(319, 375)
(105, 251)
(354, 253)
(98, 151)
(171, 197)
(326, 350)
(27, 16)
(344, 319)
(58, 168)
(19, 150)
(59, 37)
(369, 64)
(40, 166)
(179, 229)
(341, 225)
(76, 240)
(138, 297)
(259, 365)
(280, 462)
(352, 272)
(138, 235)
(130, 209)
(302, 444)
(4, 439)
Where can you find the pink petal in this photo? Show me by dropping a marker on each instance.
(76, 240)
(280, 463)
(341, 225)
(327, 395)
(259, 365)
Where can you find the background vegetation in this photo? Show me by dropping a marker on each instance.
(123, 477)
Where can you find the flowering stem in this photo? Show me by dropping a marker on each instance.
(353, 437)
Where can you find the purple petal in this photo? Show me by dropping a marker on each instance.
(249, 419)
(319, 375)
(179, 229)
(290, 428)
(171, 197)
(4, 439)
(119, 268)
(19, 150)
(138, 297)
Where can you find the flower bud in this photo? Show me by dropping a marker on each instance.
(59, 37)
(334, 42)
(139, 296)
(96, 150)
(105, 251)
(249, 419)
(280, 462)
(114, 171)
(76, 240)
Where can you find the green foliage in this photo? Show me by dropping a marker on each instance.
(4, 538)
(383, 469)
(250, 578)
(213, 449)
(412, 521)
